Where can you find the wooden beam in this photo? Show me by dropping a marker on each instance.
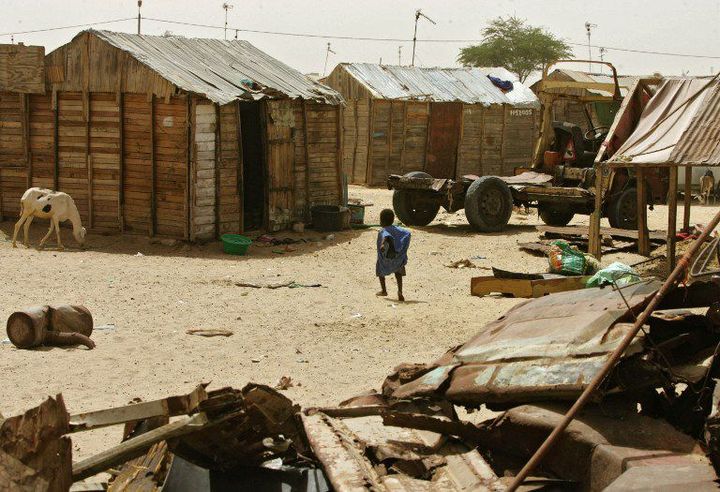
(460, 141)
(153, 170)
(672, 219)
(643, 234)
(307, 161)
(687, 198)
(503, 138)
(427, 136)
(389, 139)
(121, 162)
(88, 157)
(519, 287)
(132, 448)
(264, 113)
(404, 136)
(357, 141)
(371, 130)
(240, 169)
(481, 171)
(594, 237)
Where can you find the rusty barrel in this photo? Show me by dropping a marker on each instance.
(71, 319)
(27, 328)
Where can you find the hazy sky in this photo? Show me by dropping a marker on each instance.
(678, 26)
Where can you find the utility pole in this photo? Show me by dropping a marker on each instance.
(327, 56)
(400, 55)
(418, 14)
(602, 57)
(588, 28)
(227, 7)
(139, 16)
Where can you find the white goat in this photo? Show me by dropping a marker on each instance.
(707, 187)
(47, 204)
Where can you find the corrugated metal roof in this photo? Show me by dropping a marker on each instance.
(222, 71)
(467, 85)
(700, 144)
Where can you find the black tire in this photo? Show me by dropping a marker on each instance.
(488, 204)
(409, 206)
(622, 210)
(555, 215)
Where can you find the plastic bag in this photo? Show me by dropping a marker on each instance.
(566, 260)
(618, 272)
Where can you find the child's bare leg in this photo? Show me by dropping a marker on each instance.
(383, 287)
(398, 277)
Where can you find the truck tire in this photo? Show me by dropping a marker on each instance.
(411, 207)
(488, 204)
(622, 209)
(554, 215)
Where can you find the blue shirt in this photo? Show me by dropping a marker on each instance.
(400, 239)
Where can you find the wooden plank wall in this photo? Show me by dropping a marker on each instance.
(379, 142)
(229, 170)
(322, 150)
(206, 206)
(171, 166)
(72, 148)
(301, 176)
(22, 68)
(519, 138)
(137, 164)
(355, 139)
(42, 141)
(104, 161)
(13, 164)
(416, 125)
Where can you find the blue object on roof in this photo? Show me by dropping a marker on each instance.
(503, 85)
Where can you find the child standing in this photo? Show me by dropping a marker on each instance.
(392, 246)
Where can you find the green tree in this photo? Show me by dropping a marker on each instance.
(513, 44)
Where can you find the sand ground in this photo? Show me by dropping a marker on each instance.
(334, 341)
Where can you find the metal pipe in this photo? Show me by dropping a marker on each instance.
(598, 379)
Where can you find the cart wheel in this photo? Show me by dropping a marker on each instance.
(622, 210)
(488, 204)
(555, 215)
(415, 208)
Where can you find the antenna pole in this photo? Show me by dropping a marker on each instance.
(139, 15)
(418, 14)
(226, 6)
(400, 55)
(588, 28)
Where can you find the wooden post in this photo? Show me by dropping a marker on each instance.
(371, 129)
(357, 141)
(153, 171)
(121, 162)
(88, 157)
(404, 136)
(687, 197)
(481, 171)
(216, 173)
(594, 239)
(26, 138)
(389, 139)
(643, 234)
(460, 141)
(56, 134)
(427, 136)
(307, 161)
(189, 181)
(503, 138)
(672, 218)
(339, 153)
(240, 169)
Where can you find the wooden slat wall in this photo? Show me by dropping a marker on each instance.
(492, 140)
(301, 178)
(13, 165)
(379, 141)
(520, 133)
(322, 142)
(471, 141)
(171, 166)
(72, 145)
(417, 116)
(42, 143)
(204, 155)
(104, 160)
(229, 171)
(137, 166)
(22, 68)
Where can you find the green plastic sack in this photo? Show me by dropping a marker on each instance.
(618, 272)
(566, 260)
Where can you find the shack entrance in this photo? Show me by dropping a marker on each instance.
(444, 132)
(254, 176)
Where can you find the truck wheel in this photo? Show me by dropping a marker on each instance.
(554, 215)
(622, 210)
(488, 204)
(415, 208)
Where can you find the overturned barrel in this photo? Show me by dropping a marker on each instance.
(47, 325)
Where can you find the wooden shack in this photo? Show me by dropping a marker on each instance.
(173, 136)
(447, 122)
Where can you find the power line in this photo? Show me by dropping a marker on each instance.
(113, 21)
(405, 40)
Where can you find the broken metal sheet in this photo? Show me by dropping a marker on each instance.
(550, 347)
(528, 178)
(169, 407)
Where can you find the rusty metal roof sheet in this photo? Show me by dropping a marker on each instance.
(552, 345)
(467, 85)
(222, 71)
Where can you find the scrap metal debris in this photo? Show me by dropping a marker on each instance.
(209, 332)
(62, 325)
(465, 263)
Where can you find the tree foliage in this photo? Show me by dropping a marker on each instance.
(513, 44)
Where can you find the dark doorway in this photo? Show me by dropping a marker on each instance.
(251, 129)
(444, 132)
